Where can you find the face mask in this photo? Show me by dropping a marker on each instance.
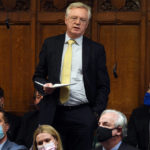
(103, 134)
(49, 146)
(1, 132)
(147, 99)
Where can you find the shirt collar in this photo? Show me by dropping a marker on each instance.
(2, 144)
(116, 147)
(77, 40)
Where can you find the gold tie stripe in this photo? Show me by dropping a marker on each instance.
(66, 73)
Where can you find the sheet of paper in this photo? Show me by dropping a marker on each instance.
(55, 85)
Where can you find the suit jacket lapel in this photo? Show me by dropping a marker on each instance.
(85, 54)
(57, 62)
(6, 145)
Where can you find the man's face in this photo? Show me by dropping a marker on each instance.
(1, 102)
(76, 22)
(107, 120)
(4, 125)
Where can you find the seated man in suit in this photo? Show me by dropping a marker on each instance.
(14, 121)
(111, 130)
(29, 123)
(5, 143)
(139, 123)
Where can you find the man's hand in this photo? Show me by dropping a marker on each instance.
(47, 88)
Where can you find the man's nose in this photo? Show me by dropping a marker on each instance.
(78, 21)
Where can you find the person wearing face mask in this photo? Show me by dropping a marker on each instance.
(13, 120)
(46, 138)
(30, 123)
(111, 130)
(139, 125)
(5, 143)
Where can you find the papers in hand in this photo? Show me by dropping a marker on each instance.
(55, 85)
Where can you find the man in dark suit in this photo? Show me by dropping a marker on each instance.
(14, 121)
(29, 123)
(5, 143)
(74, 118)
(111, 131)
(139, 125)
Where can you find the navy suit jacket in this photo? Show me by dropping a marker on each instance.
(13, 146)
(123, 146)
(95, 75)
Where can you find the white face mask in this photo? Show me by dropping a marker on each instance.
(1, 132)
(48, 146)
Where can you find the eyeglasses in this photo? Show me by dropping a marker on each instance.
(75, 18)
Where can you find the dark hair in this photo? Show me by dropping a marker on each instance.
(4, 115)
(1, 92)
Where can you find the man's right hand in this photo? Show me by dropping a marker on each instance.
(48, 88)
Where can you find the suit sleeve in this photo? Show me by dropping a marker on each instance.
(102, 82)
(132, 134)
(40, 74)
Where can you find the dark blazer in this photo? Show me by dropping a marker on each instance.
(138, 128)
(13, 146)
(28, 126)
(123, 146)
(14, 122)
(95, 76)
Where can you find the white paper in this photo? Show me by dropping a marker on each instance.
(55, 85)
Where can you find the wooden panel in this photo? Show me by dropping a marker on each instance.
(5, 62)
(51, 30)
(19, 66)
(148, 44)
(22, 66)
(48, 30)
(122, 43)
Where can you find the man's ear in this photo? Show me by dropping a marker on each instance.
(65, 20)
(6, 127)
(119, 131)
(2, 102)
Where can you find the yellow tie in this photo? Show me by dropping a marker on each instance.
(66, 73)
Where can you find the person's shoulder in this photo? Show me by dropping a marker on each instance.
(92, 42)
(125, 146)
(141, 110)
(13, 146)
(61, 36)
(98, 148)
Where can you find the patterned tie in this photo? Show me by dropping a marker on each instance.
(66, 73)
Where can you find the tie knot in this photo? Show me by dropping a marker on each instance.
(70, 42)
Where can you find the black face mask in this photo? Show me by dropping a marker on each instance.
(103, 134)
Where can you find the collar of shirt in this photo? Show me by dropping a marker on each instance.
(78, 40)
(1, 145)
(116, 147)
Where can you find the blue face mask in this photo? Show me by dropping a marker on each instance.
(1, 132)
(147, 99)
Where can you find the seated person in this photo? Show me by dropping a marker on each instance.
(29, 123)
(5, 143)
(14, 120)
(139, 125)
(46, 138)
(111, 130)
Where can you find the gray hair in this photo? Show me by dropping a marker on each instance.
(79, 5)
(120, 122)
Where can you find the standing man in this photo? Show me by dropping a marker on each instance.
(73, 58)
(111, 131)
